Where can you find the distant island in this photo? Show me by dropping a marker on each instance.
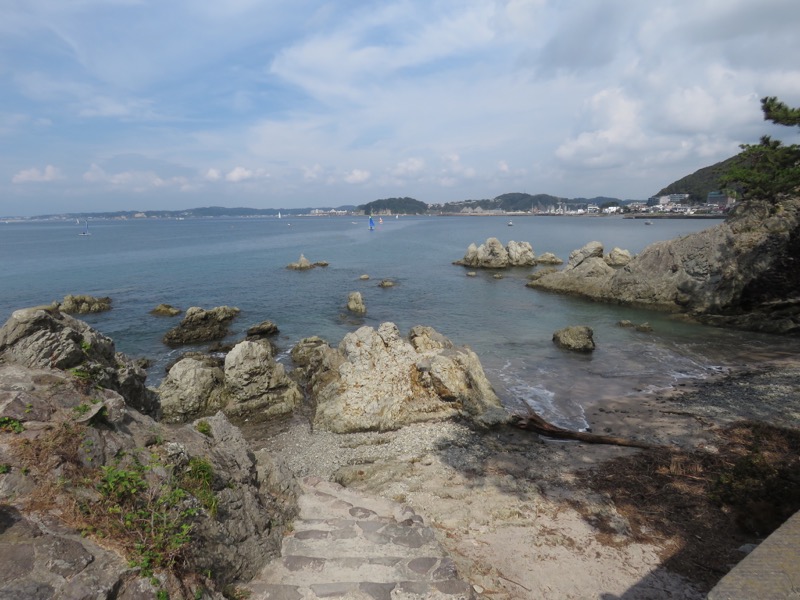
(693, 194)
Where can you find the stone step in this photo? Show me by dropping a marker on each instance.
(305, 570)
(392, 540)
(330, 499)
(452, 589)
(350, 546)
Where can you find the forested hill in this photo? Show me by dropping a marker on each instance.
(403, 206)
(701, 182)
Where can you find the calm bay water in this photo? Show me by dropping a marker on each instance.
(241, 262)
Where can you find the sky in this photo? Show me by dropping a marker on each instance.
(112, 105)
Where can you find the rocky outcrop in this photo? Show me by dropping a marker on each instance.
(492, 255)
(84, 304)
(249, 386)
(302, 264)
(386, 283)
(193, 496)
(577, 338)
(165, 310)
(740, 273)
(355, 303)
(45, 337)
(200, 325)
(377, 380)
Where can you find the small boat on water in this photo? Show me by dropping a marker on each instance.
(85, 229)
(648, 222)
(510, 223)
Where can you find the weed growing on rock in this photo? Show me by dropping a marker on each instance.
(11, 424)
(140, 503)
(152, 520)
(204, 427)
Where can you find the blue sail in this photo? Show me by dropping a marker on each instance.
(371, 223)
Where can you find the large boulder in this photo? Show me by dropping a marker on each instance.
(548, 258)
(520, 254)
(257, 387)
(377, 380)
(489, 255)
(618, 257)
(192, 388)
(355, 303)
(202, 511)
(590, 250)
(199, 325)
(739, 273)
(249, 386)
(45, 337)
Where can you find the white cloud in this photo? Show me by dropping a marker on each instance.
(616, 131)
(213, 175)
(239, 174)
(357, 176)
(35, 175)
(312, 173)
(135, 181)
(409, 167)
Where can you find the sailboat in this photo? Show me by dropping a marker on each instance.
(279, 214)
(371, 224)
(380, 219)
(85, 229)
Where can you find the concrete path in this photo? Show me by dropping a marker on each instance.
(351, 546)
(770, 572)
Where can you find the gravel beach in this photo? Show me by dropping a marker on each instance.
(525, 517)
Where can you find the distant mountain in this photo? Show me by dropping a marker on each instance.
(701, 182)
(401, 206)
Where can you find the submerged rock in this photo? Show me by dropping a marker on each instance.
(376, 380)
(165, 310)
(578, 338)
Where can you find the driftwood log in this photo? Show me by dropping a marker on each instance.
(533, 422)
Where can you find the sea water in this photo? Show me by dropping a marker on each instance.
(141, 263)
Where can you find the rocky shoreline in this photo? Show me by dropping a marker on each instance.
(518, 512)
(514, 511)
